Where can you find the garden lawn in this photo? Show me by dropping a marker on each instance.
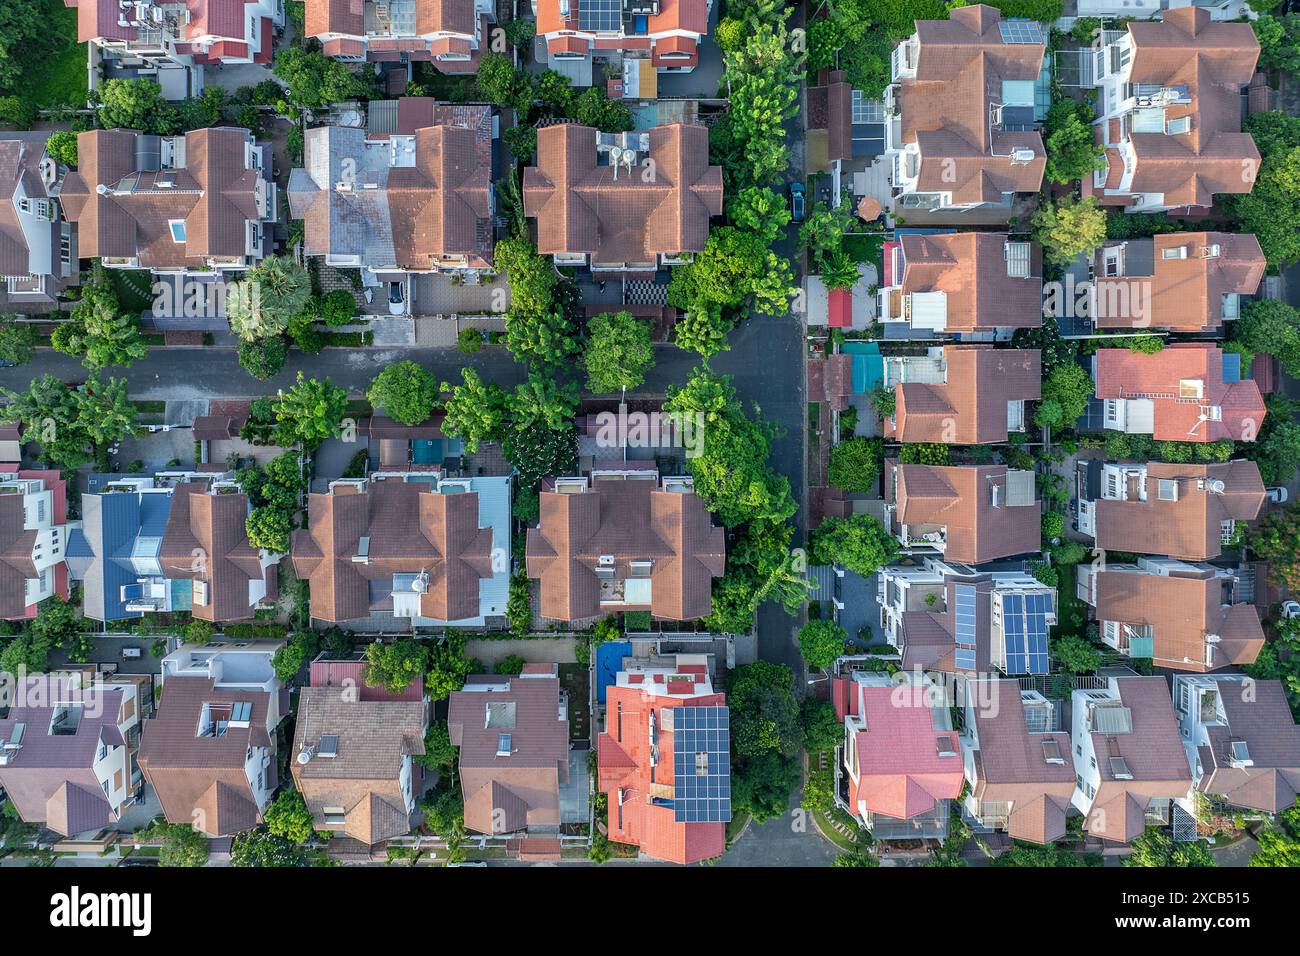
(58, 80)
(867, 247)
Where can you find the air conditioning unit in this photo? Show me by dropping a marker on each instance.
(1022, 157)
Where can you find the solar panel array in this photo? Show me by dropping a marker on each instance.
(1021, 31)
(1024, 631)
(600, 14)
(701, 765)
(965, 630)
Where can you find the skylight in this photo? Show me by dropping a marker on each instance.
(177, 226)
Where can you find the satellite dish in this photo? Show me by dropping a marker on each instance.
(304, 755)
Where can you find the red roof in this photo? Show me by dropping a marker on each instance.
(839, 302)
(624, 762)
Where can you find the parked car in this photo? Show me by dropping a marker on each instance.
(138, 861)
(1290, 609)
(797, 201)
(396, 298)
(1277, 495)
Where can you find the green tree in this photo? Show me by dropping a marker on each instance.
(264, 358)
(62, 147)
(1277, 541)
(315, 80)
(1279, 842)
(1069, 227)
(760, 210)
(98, 330)
(702, 329)
(619, 352)
(70, 423)
(542, 340)
(1271, 209)
(269, 528)
(735, 270)
(1272, 326)
(474, 411)
(1279, 42)
(543, 402)
(448, 668)
(288, 817)
(182, 844)
(822, 730)
(855, 464)
(262, 848)
(1052, 855)
(57, 624)
(1066, 391)
(293, 654)
(731, 472)
(309, 412)
(536, 453)
(261, 305)
(593, 107)
(134, 104)
(17, 340)
(1076, 654)
(438, 754)
(859, 543)
(502, 84)
(761, 77)
(1072, 152)
(406, 391)
(1156, 847)
(395, 665)
(822, 642)
(765, 738)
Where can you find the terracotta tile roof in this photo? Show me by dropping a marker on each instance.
(1012, 765)
(630, 520)
(1182, 609)
(504, 794)
(961, 64)
(960, 499)
(202, 780)
(1263, 721)
(684, 16)
(1213, 60)
(580, 206)
(403, 216)
(970, 407)
(214, 195)
(1121, 373)
(901, 772)
(1153, 751)
(830, 379)
(206, 540)
(1183, 294)
(970, 268)
(348, 17)
(1190, 527)
(375, 738)
(408, 531)
(625, 765)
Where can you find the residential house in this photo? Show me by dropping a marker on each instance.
(174, 541)
(513, 737)
(451, 34)
(900, 763)
(962, 134)
(414, 196)
(1183, 511)
(1129, 763)
(624, 540)
(1241, 740)
(596, 206)
(67, 748)
(970, 514)
(655, 36)
(1169, 111)
(415, 546)
(1186, 617)
(209, 752)
(960, 283)
(1221, 9)
(33, 538)
(37, 245)
(173, 40)
(206, 542)
(1184, 281)
(951, 619)
(195, 203)
(665, 758)
(961, 394)
(412, 448)
(1016, 760)
(355, 766)
(1185, 392)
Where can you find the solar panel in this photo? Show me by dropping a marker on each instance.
(1024, 632)
(701, 765)
(600, 14)
(964, 633)
(1038, 606)
(1021, 31)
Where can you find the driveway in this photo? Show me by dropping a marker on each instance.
(702, 82)
(788, 840)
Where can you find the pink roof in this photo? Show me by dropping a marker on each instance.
(900, 771)
(840, 306)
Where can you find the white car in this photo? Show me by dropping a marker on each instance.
(1290, 609)
(1277, 495)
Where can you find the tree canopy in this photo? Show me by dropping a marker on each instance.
(619, 352)
(406, 391)
(1069, 227)
(70, 423)
(859, 543)
(822, 642)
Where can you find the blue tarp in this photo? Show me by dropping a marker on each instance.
(609, 658)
